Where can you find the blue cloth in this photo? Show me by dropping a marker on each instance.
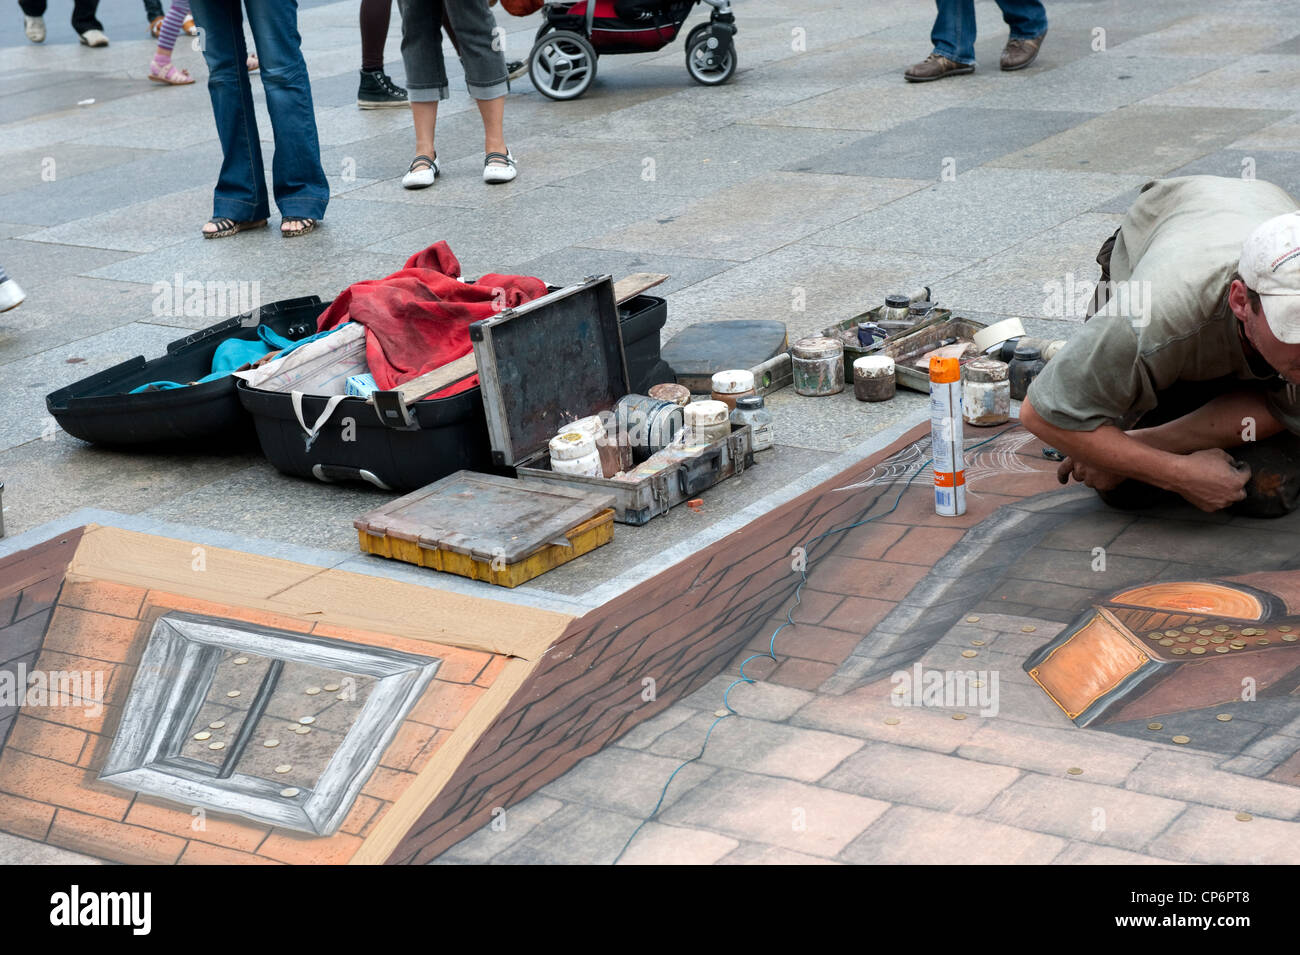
(235, 353)
(953, 35)
(299, 180)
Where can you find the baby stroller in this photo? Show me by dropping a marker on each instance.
(573, 35)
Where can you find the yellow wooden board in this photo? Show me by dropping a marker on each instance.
(583, 539)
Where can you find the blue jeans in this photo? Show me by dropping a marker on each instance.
(299, 180)
(953, 35)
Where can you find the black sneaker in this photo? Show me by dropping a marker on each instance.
(377, 91)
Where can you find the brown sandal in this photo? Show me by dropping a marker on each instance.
(227, 227)
(307, 226)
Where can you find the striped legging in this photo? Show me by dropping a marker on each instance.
(171, 25)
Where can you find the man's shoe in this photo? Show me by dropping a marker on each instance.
(1018, 53)
(11, 295)
(935, 67)
(34, 27)
(94, 38)
(377, 91)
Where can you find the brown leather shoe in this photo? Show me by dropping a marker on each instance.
(1018, 54)
(935, 67)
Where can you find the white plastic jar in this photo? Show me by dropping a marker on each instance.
(728, 386)
(707, 421)
(574, 452)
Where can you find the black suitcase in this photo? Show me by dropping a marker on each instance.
(100, 408)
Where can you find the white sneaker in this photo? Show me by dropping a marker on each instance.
(423, 177)
(94, 38)
(34, 27)
(499, 171)
(11, 295)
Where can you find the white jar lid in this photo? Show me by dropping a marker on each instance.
(702, 414)
(568, 445)
(734, 382)
(591, 425)
(874, 366)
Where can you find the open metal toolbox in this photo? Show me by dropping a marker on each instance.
(558, 358)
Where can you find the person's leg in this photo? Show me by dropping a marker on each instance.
(953, 35)
(241, 188)
(161, 68)
(301, 190)
(485, 66)
(152, 10)
(33, 8)
(375, 15)
(83, 16)
(1026, 18)
(426, 74)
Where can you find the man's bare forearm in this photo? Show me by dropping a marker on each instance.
(1110, 448)
(1224, 422)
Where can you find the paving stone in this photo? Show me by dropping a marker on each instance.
(575, 835)
(514, 825)
(643, 734)
(757, 746)
(753, 854)
(862, 713)
(674, 845)
(1195, 780)
(777, 812)
(626, 781)
(1084, 811)
(1082, 853)
(911, 777)
(1050, 750)
(908, 835)
(1215, 837)
(762, 701)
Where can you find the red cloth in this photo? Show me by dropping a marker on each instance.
(418, 319)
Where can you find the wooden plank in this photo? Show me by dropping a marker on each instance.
(628, 287)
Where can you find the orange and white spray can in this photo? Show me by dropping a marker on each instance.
(946, 437)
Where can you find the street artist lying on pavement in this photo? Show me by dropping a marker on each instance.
(1184, 381)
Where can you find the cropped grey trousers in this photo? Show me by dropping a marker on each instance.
(482, 48)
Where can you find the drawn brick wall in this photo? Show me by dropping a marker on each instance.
(680, 628)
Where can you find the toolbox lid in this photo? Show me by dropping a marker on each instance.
(486, 516)
(548, 362)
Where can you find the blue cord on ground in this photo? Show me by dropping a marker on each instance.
(771, 646)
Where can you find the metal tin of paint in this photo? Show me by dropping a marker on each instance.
(677, 394)
(946, 437)
(818, 365)
(873, 378)
(648, 424)
(986, 393)
(707, 421)
(730, 385)
(750, 410)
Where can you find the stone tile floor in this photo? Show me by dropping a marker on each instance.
(805, 190)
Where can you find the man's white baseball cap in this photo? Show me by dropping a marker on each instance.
(1270, 265)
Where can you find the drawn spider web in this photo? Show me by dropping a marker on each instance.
(998, 458)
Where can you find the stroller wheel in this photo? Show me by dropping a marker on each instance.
(710, 65)
(562, 65)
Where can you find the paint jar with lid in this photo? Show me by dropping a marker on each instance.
(574, 452)
(986, 393)
(750, 410)
(818, 365)
(873, 378)
(678, 394)
(647, 424)
(895, 309)
(919, 311)
(730, 385)
(707, 421)
(1024, 368)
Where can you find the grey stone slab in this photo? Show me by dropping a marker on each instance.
(505, 830)
(574, 263)
(626, 781)
(64, 309)
(909, 835)
(133, 228)
(757, 746)
(735, 224)
(14, 850)
(898, 774)
(1244, 32)
(37, 263)
(1084, 811)
(960, 136)
(1226, 550)
(1100, 81)
(982, 212)
(575, 835)
(62, 93)
(1147, 139)
(33, 168)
